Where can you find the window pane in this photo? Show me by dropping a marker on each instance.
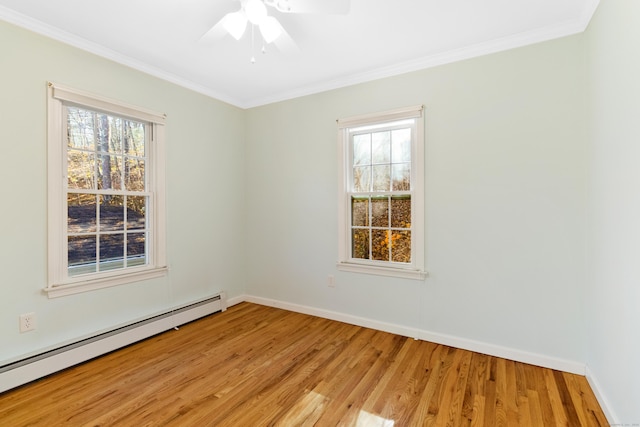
(360, 243)
(115, 135)
(401, 246)
(359, 212)
(362, 178)
(381, 178)
(401, 174)
(401, 145)
(111, 213)
(80, 170)
(380, 212)
(111, 251)
(80, 129)
(134, 139)
(136, 212)
(81, 255)
(81, 213)
(380, 245)
(136, 249)
(109, 172)
(401, 212)
(381, 147)
(134, 174)
(362, 149)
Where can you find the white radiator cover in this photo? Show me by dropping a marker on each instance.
(34, 367)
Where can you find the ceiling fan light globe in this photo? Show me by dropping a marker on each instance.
(256, 11)
(283, 6)
(235, 23)
(270, 29)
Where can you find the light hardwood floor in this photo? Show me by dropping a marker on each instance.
(260, 366)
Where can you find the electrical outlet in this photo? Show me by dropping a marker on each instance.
(331, 281)
(27, 322)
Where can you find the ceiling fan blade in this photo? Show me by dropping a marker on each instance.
(330, 7)
(270, 28)
(216, 32)
(232, 23)
(285, 43)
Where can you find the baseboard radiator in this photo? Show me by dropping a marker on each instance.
(34, 367)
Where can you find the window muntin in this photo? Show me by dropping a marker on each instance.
(106, 192)
(381, 194)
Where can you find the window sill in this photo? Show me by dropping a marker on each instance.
(382, 271)
(55, 291)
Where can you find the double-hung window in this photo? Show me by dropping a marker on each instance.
(381, 219)
(106, 192)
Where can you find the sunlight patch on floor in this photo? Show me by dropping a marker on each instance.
(366, 419)
(309, 408)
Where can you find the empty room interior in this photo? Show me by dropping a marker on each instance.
(240, 206)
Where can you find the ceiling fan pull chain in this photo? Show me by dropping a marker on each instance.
(253, 57)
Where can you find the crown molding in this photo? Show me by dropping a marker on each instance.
(492, 46)
(57, 34)
(481, 49)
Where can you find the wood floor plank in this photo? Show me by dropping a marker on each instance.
(523, 413)
(576, 399)
(415, 382)
(260, 366)
(478, 374)
(347, 404)
(501, 393)
(457, 392)
(511, 393)
(535, 410)
(585, 401)
(537, 383)
(477, 417)
(490, 403)
(422, 414)
(565, 398)
(558, 409)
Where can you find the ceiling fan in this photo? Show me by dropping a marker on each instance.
(255, 13)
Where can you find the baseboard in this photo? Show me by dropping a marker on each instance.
(236, 300)
(22, 372)
(602, 400)
(38, 366)
(452, 341)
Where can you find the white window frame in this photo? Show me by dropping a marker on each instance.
(416, 268)
(59, 283)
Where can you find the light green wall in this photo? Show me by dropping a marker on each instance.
(505, 196)
(205, 182)
(614, 212)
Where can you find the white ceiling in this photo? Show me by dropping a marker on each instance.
(378, 38)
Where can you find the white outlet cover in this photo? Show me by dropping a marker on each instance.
(27, 322)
